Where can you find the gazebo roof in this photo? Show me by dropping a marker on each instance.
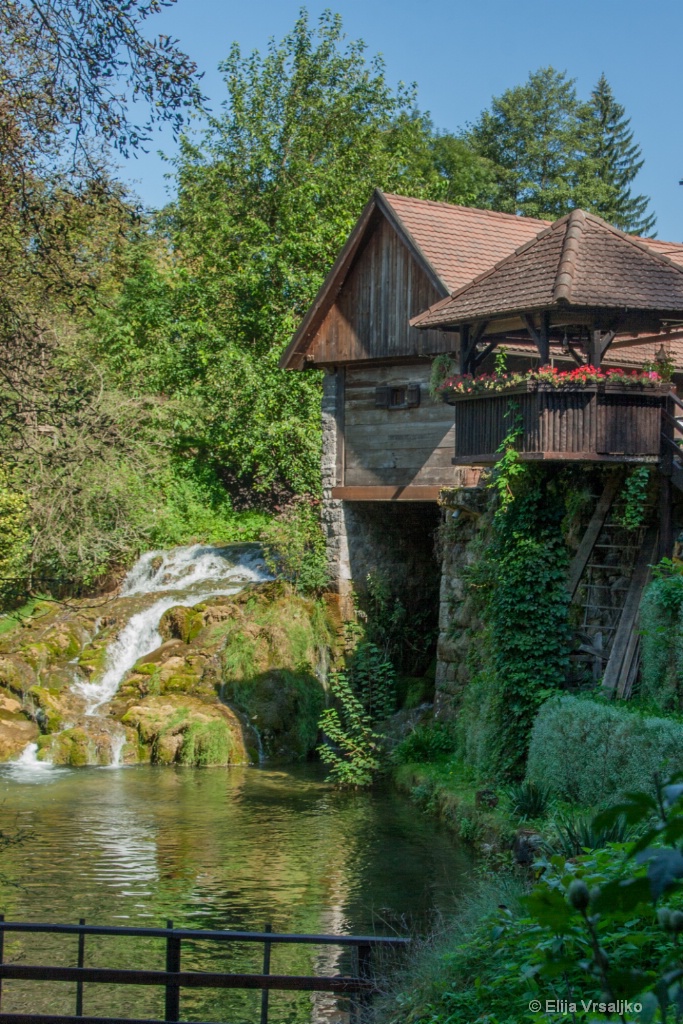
(579, 262)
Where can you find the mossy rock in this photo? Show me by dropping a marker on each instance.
(76, 747)
(185, 730)
(15, 733)
(181, 623)
(16, 675)
(285, 708)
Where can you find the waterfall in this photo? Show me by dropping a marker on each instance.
(188, 576)
(185, 576)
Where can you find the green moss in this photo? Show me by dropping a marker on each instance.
(206, 744)
(72, 747)
(284, 707)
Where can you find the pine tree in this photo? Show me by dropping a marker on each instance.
(531, 136)
(611, 163)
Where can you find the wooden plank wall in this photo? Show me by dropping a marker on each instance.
(384, 289)
(402, 447)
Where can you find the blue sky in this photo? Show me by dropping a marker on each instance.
(460, 54)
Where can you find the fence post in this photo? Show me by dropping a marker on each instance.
(265, 992)
(2, 952)
(81, 962)
(365, 974)
(172, 967)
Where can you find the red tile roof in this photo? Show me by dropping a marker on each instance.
(461, 242)
(579, 261)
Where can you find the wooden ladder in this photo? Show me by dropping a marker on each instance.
(606, 580)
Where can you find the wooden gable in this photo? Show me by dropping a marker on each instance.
(380, 280)
(370, 317)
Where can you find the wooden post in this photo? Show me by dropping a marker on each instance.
(464, 346)
(81, 963)
(543, 339)
(266, 970)
(172, 967)
(339, 418)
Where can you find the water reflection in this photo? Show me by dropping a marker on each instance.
(216, 849)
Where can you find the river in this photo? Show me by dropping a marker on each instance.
(212, 848)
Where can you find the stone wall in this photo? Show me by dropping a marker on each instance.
(461, 511)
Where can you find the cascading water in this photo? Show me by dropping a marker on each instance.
(188, 575)
(185, 576)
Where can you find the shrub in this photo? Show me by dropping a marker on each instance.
(425, 743)
(529, 800)
(589, 753)
(661, 620)
(294, 545)
(576, 833)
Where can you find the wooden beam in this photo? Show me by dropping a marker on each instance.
(479, 357)
(533, 333)
(464, 347)
(589, 538)
(543, 339)
(340, 418)
(629, 615)
(387, 493)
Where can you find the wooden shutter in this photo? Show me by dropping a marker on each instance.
(381, 398)
(413, 395)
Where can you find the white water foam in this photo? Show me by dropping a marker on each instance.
(188, 575)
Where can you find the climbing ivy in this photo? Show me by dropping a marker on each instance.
(633, 507)
(522, 577)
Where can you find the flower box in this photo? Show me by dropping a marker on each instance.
(601, 421)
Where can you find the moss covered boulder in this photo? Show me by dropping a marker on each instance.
(183, 730)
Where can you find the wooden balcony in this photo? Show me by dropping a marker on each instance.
(596, 423)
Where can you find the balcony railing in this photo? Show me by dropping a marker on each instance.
(603, 422)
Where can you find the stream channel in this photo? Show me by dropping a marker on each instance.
(217, 848)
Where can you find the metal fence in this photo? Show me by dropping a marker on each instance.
(359, 987)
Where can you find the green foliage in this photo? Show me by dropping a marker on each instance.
(522, 577)
(611, 163)
(265, 199)
(206, 744)
(552, 153)
(443, 366)
(14, 540)
(584, 937)
(363, 695)
(406, 638)
(574, 834)
(661, 627)
(588, 752)
(354, 752)
(528, 800)
(425, 743)
(633, 504)
(294, 546)
(508, 467)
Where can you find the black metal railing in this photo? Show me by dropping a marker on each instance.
(359, 987)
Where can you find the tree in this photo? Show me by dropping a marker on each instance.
(530, 135)
(612, 162)
(552, 153)
(266, 198)
(468, 179)
(62, 64)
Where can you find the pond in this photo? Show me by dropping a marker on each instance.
(212, 848)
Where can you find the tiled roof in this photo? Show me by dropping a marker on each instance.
(579, 261)
(458, 241)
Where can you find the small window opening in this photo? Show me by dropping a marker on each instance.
(397, 398)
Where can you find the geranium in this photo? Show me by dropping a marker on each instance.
(467, 384)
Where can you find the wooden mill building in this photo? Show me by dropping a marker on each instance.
(418, 279)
